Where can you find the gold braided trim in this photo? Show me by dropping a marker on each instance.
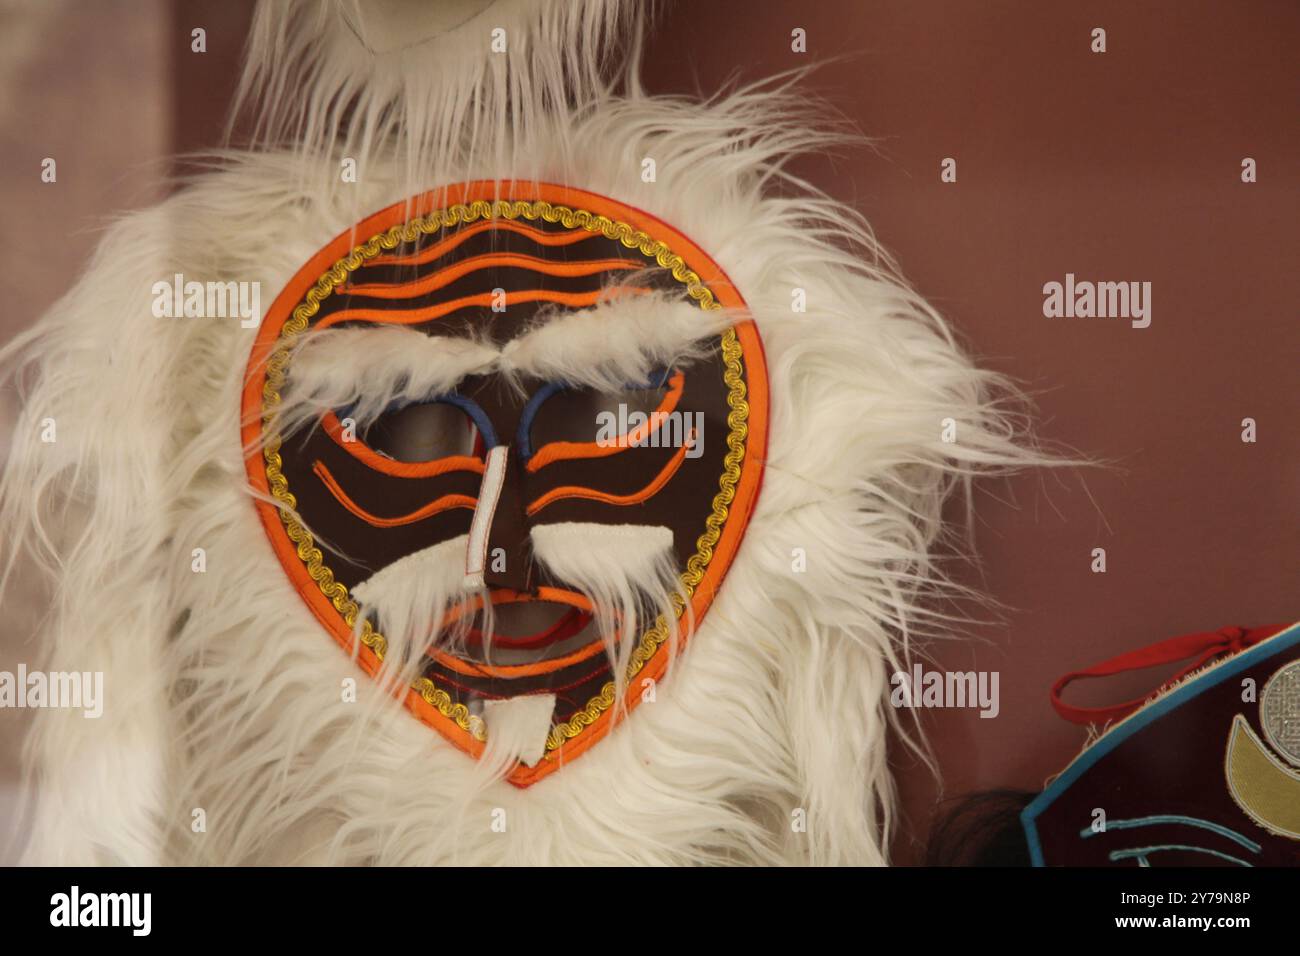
(311, 556)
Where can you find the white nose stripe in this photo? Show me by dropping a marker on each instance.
(489, 493)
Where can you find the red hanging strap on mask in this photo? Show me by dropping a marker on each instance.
(1201, 649)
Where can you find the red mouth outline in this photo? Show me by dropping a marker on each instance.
(461, 664)
(572, 621)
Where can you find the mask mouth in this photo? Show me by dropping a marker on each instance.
(523, 630)
(521, 644)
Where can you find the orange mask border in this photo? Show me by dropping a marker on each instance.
(746, 492)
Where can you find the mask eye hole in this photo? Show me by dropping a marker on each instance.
(424, 432)
(575, 415)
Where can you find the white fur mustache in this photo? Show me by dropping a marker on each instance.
(628, 573)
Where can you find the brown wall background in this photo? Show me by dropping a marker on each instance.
(1122, 166)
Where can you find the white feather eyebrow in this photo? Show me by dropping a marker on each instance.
(609, 345)
(605, 347)
(368, 369)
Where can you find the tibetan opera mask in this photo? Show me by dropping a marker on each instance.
(512, 437)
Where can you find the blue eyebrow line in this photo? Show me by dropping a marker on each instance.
(524, 441)
(467, 405)
(474, 411)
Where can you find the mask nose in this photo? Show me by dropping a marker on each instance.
(497, 555)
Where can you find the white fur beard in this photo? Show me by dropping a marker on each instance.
(224, 693)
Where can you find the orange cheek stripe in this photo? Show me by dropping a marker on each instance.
(397, 469)
(539, 236)
(445, 503)
(577, 491)
(569, 450)
(483, 300)
(508, 260)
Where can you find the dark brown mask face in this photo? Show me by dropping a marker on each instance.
(534, 410)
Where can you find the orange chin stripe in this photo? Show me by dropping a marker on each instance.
(445, 503)
(398, 469)
(511, 671)
(505, 260)
(569, 450)
(539, 236)
(483, 299)
(577, 491)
